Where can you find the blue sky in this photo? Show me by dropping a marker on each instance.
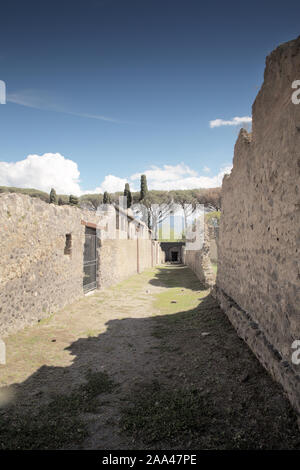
(119, 88)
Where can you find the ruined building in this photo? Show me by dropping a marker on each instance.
(51, 255)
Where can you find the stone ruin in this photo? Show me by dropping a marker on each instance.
(258, 280)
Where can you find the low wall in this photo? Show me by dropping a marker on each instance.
(38, 275)
(258, 280)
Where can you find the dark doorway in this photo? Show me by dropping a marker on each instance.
(90, 260)
(174, 255)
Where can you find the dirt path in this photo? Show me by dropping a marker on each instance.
(150, 363)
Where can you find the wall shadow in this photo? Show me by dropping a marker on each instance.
(185, 278)
(219, 394)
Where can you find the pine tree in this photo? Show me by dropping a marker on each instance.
(53, 197)
(127, 193)
(73, 200)
(106, 198)
(144, 187)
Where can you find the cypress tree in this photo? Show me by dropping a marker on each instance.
(144, 187)
(73, 200)
(53, 197)
(106, 198)
(127, 193)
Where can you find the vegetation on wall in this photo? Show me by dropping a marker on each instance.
(213, 218)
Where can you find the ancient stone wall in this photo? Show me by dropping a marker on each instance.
(213, 247)
(119, 259)
(258, 280)
(199, 261)
(39, 272)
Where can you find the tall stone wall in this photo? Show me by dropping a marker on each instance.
(38, 275)
(200, 261)
(258, 280)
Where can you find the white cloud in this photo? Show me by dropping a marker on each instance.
(111, 184)
(51, 170)
(180, 177)
(206, 169)
(236, 121)
(165, 174)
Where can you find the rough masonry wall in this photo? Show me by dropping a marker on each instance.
(200, 261)
(119, 259)
(213, 248)
(258, 280)
(37, 278)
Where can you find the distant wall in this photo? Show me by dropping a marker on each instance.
(119, 259)
(258, 280)
(168, 247)
(36, 276)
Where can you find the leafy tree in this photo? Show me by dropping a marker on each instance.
(213, 218)
(187, 202)
(210, 197)
(73, 200)
(158, 205)
(53, 197)
(91, 201)
(60, 201)
(127, 193)
(144, 187)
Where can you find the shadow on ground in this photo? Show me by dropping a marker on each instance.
(175, 381)
(166, 277)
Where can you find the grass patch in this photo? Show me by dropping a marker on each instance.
(183, 294)
(92, 333)
(191, 418)
(214, 267)
(56, 424)
(185, 300)
(165, 416)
